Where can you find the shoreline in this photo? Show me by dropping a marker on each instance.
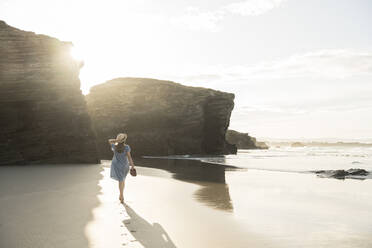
(180, 204)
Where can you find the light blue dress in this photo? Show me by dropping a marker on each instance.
(119, 164)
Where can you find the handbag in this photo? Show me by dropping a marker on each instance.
(133, 172)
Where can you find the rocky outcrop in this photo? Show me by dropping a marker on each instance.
(244, 141)
(342, 174)
(160, 117)
(297, 144)
(44, 118)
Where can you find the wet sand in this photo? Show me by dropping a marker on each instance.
(77, 206)
(47, 206)
(182, 204)
(160, 211)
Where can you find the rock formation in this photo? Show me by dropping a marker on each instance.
(244, 141)
(44, 118)
(160, 117)
(297, 144)
(342, 174)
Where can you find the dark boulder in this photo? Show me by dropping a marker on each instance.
(342, 174)
(357, 172)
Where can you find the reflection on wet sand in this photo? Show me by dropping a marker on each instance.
(215, 195)
(149, 235)
(214, 191)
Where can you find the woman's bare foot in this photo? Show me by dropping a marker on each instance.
(121, 199)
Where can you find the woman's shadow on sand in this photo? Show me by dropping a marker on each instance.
(149, 235)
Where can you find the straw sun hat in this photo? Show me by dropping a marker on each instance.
(121, 138)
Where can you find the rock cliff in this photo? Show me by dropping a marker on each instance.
(44, 118)
(244, 141)
(160, 117)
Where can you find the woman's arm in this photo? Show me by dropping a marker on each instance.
(130, 159)
(112, 141)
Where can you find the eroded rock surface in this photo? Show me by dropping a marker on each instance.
(244, 140)
(161, 117)
(44, 118)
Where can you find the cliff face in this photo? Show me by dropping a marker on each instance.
(44, 118)
(160, 117)
(243, 140)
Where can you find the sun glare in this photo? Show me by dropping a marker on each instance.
(76, 53)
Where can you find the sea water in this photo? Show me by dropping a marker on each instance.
(293, 159)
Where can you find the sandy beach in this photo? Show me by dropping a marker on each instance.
(77, 206)
(249, 123)
(182, 204)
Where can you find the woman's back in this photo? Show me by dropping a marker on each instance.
(120, 161)
(120, 155)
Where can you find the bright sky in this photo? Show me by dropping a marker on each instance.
(298, 68)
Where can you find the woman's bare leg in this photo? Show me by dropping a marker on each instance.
(121, 188)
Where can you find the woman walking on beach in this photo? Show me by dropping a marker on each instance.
(120, 161)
